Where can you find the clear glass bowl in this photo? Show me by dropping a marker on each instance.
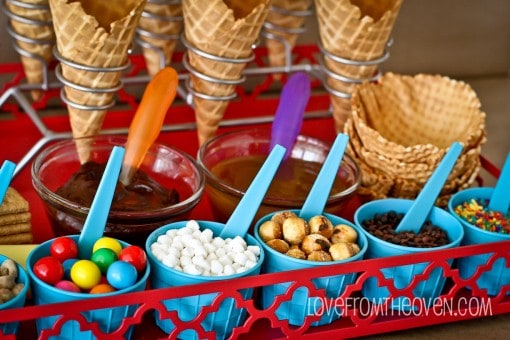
(170, 167)
(224, 193)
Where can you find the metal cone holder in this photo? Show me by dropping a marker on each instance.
(28, 40)
(277, 32)
(140, 32)
(198, 74)
(68, 83)
(349, 80)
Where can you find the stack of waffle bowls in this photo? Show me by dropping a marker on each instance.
(401, 127)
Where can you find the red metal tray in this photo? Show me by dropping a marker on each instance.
(460, 300)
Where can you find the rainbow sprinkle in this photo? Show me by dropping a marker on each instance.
(476, 212)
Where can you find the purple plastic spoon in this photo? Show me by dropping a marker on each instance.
(289, 114)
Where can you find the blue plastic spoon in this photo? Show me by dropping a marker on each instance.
(318, 196)
(289, 114)
(500, 199)
(242, 216)
(95, 222)
(417, 214)
(6, 173)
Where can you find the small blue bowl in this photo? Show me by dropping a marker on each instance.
(302, 304)
(402, 276)
(227, 316)
(499, 276)
(108, 319)
(17, 301)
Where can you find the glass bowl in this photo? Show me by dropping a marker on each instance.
(231, 160)
(168, 166)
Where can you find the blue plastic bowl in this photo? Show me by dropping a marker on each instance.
(226, 317)
(108, 319)
(302, 303)
(494, 279)
(16, 302)
(428, 289)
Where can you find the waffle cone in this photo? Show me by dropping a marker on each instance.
(162, 20)
(225, 29)
(402, 126)
(355, 30)
(41, 32)
(277, 18)
(93, 33)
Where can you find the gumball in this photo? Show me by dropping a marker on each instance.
(49, 270)
(102, 288)
(134, 255)
(67, 286)
(121, 274)
(103, 258)
(67, 264)
(107, 242)
(85, 274)
(63, 248)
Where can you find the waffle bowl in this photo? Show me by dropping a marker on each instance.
(401, 127)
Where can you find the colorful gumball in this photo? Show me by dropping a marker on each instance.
(103, 258)
(121, 274)
(67, 264)
(107, 242)
(63, 248)
(134, 255)
(49, 269)
(85, 274)
(68, 286)
(102, 288)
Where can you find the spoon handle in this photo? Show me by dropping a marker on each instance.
(500, 199)
(241, 218)
(417, 214)
(289, 114)
(6, 173)
(318, 196)
(95, 222)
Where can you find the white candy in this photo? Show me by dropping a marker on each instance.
(216, 267)
(228, 270)
(197, 252)
(192, 269)
(185, 260)
(240, 258)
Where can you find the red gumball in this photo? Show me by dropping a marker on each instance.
(49, 270)
(64, 248)
(134, 255)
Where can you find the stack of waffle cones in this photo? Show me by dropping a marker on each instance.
(31, 26)
(402, 126)
(354, 35)
(93, 38)
(15, 225)
(284, 23)
(159, 29)
(219, 36)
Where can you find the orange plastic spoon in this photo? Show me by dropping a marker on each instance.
(146, 125)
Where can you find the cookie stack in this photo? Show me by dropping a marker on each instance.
(15, 226)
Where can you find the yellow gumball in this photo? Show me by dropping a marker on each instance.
(108, 242)
(85, 274)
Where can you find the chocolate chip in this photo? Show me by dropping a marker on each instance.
(383, 226)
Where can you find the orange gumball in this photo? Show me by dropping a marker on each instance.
(102, 288)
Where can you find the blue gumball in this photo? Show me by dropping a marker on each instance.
(121, 274)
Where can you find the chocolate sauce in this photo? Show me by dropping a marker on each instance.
(142, 194)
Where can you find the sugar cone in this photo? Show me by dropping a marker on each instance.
(93, 33)
(39, 30)
(159, 24)
(280, 16)
(354, 30)
(225, 29)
